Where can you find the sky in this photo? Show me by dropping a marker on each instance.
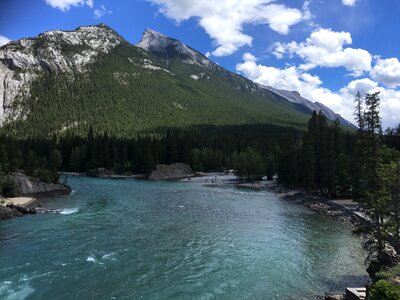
(327, 50)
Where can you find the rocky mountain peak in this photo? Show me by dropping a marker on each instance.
(167, 47)
(154, 41)
(63, 51)
(60, 50)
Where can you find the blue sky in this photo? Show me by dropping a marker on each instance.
(325, 49)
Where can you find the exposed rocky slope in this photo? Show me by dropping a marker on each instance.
(22, 61)
(166, 47)
(295, 97)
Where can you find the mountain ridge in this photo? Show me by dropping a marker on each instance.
(150, 35)
(80, 51)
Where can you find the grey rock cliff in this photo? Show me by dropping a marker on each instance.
(23, 60)
(155, 42)
(28, 186)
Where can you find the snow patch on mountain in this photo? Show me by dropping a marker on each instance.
(147, 64)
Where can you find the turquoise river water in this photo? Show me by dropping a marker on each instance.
(127, 239)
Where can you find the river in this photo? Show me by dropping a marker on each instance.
(128, 239)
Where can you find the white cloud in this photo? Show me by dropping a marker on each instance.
(387, 71)
(390, 99)
(3, 40)
(292, 79)
(223, 20)
(349, 2)
(65, 5)
(363, 86)
(98, 13)
(325, 48)
(310, 87)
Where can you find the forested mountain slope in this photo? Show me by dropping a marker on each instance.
(68, 81)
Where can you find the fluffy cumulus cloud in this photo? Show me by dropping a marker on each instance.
(65, 5)
(390, 98)
(310, 87)
(3, 40)
(325, 48)
(387, 71)
(223, 20)
(349, 2)
(100, 12)
(292, 79)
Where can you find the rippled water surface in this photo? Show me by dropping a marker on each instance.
(126, 239)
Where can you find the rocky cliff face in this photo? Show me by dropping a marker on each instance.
(23, 60)
(167, 47)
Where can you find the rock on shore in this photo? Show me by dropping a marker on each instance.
(173, 171)
(11, 211)
(7, 213)
(28, 186)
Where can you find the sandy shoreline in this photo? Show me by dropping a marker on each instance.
(20, 201)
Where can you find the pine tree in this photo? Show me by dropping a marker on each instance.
(370, 143)
(359, 113)
(4, 163)
(55, 163)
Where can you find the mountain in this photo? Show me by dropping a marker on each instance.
(67, 81)
(295, 97)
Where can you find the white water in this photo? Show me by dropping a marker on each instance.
(68, 211)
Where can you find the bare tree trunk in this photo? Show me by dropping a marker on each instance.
(379, 234)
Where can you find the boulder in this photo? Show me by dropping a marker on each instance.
(330, 296)
(28, 186)
(21, 209)
(6, 212)
(375, 262)
(173, 171)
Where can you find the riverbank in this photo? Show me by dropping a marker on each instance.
(20, 201)
(346, 211)
(28, 190)
(16, 207)
(103, 175)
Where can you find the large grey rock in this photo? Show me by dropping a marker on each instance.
(6, 212)
(174, 171)
(28, 186)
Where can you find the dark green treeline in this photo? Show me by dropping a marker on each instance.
(253, 150)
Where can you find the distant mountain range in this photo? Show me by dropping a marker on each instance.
(67, 81)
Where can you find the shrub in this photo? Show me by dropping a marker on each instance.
(384, 290)
(43, 175)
